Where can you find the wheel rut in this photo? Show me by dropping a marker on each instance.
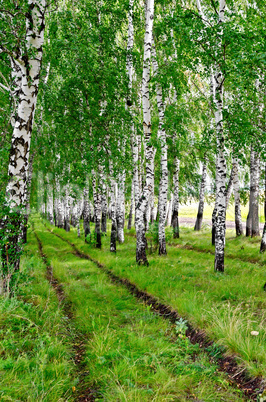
(251, 386)
(81, 392)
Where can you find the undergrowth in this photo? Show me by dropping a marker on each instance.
(227, 306)
(35, 358)
(131, 354)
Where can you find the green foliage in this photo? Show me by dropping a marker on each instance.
(91, 239)
(11, 246)
(181, 326)
(152, 236)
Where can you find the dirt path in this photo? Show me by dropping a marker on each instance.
(227, 364)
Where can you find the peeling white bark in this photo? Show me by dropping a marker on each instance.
(50, 202)
(29, 74)
(229, 189)
(144, 198)
(252, 225)
(86, 212)
(113, 209)
(163, 187)
(218, 86)
(175, 222)
(97, 209)
(130, 216)
(263, 240)
(170, 211)
(238, 219)
(201, 197)
(120, 207)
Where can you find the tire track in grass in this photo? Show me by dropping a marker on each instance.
(83, 393)
(251, 386)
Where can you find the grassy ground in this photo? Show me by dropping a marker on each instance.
(132, 354)
(35, 357)
(227, 306)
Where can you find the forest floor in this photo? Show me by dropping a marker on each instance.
(88, 325)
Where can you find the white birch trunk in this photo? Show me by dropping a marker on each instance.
(135, 152)
(97, 210)
(130, 216)
(170, 211)
(220, 181)
(218, 84)
(50, 202)
(73, 212)
(67, 210)
(219, 212)
(27, 85)
(27, 212)
(120, 207)
(104, 201)
(134, 138)
(60, 209)
(55, 211)
(78, 208)
(86, 213)
(163, 187)
(144, 198)
(238, 219)
(113, 210)
(24, 116)
(229, 189)
(198, 223)
(255, 199)
(252, 224)
(263, 240)
(175, 221)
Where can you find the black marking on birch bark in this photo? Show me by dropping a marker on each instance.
(198, 222)
(175, 224)
(251, 386)
(263, 240)
(113, 237)
(79, 340)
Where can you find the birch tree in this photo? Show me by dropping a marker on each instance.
(86, 212)
(27, 64)
(201, 197)
(175, 221)
(144, 197)
(163, 186)
(238, 219)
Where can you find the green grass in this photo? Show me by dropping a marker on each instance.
(246, 249)
(35, 358)
(131, 354)
(227, 306)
